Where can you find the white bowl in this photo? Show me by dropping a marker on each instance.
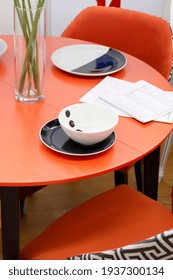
(86, 123)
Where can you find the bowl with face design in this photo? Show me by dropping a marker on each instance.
(88, 124)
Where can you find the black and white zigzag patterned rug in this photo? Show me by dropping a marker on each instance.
(159, 247)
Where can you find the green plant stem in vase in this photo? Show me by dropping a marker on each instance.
(29, 39)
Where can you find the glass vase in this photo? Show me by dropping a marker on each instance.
(29, 47)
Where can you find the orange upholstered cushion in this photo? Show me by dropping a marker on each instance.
(111, 220)
(144, 36)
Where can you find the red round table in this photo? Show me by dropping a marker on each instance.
(27, 163)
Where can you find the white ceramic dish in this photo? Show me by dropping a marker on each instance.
(3, 47)
(88, 60)
(88, 124)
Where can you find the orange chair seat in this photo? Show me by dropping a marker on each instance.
(113, 219)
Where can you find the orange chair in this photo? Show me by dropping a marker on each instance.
(144, 36)
(121, 223)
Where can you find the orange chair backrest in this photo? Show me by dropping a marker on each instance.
(144, 36)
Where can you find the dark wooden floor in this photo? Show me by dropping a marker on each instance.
(51, 202)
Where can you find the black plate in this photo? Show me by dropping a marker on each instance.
(52, 135)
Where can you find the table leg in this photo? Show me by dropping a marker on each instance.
(120, 177)
(151, 173)
(138, 167)
(10, 222)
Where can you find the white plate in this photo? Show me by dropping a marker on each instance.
(88, 60)
(3, 47)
